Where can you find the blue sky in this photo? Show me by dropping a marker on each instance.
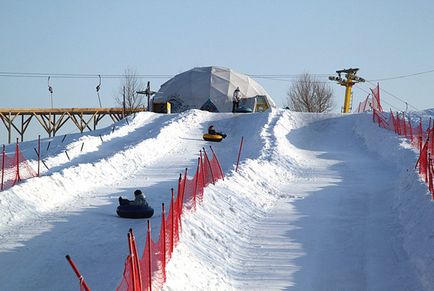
(382, 38)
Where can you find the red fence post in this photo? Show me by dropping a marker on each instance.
(183, 192)
(132, 262)
(202, 167)
(149, 256)
(239, 153)
(77, 272)
(3, 166)
(431, 177)
(179, 196)
(209, 165)
(214, 156)
(136, 260)
(197, 181)
(411, 129)
(163, 241)
(430, 182)
(173, 224)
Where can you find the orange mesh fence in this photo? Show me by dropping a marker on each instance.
(126, 282)
(14, 168)
(150, 270)
(423, 140)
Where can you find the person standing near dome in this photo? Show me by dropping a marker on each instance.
(236, 99)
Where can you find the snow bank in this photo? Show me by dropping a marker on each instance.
(411, 196)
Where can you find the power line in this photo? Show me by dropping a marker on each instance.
(403, 76)
(277, 77)
(78, 76)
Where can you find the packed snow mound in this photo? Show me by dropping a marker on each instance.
(319, 201)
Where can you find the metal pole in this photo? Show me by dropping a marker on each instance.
(123, 103)
(239, 153)
(39, 154)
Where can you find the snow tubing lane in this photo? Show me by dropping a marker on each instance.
(212, 137)
(134, 211)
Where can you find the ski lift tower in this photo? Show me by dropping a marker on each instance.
(347, 81)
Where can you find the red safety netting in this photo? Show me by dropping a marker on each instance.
(363, 106)
(14, 168)
(376, 103)
(149, 273)
(422, 140)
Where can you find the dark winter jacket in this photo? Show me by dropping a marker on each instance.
(139, 200)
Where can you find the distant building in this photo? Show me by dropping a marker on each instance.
(211, 89)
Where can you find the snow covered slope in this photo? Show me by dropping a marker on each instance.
(320, 202)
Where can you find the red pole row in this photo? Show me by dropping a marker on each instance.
(425, 144)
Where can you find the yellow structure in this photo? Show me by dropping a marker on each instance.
(348, 81)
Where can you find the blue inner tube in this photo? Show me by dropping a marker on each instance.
(134, 211)
(244, 110)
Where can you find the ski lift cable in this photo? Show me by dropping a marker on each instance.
(50, 89)
(98, 87)
(403, 76)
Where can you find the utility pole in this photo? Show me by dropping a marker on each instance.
(123, 102)
(348, 81)
(148, 93)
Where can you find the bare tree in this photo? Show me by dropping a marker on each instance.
(130, 84)
(308, 94)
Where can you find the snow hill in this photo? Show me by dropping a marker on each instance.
(320, 202)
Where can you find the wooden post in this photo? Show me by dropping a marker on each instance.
(3, 166)
(18, 162)
(54, 124)
(22, 128)
(10, 128)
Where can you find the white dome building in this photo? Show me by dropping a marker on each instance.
(211, 89)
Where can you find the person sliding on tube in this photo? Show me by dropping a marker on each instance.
(139, 199)
(211, 130)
